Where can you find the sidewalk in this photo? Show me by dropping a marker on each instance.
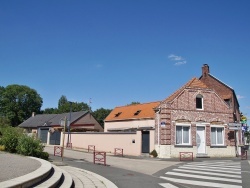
(144, 165)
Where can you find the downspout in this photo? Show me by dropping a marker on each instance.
(158, 118)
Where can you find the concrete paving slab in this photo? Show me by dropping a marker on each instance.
(13, 166)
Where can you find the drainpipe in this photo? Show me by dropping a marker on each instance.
(158, 110)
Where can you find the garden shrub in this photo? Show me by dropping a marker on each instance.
(29, 146)
(13, 140)
(44, 155)
(9, 138)
(154, 153)
(2, 147)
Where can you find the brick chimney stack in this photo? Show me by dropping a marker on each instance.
(205, 70)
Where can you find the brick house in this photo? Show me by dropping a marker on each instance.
(195, 119)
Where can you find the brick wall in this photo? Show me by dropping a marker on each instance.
(183, 108)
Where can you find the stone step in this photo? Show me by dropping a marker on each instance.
(83, 178)
(68, 180)
(57, 178)
(52, 180)
(202, 156)
(32, 178)
(77, 182)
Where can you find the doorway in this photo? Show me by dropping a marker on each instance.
(200, 140)
(55, 138)
(145, 141)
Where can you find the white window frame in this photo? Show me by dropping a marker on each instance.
(223, 135)
(189, 134)
(202, 105)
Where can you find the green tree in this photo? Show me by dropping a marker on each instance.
(17, 102)
(62, 101)
(50, 111)
(1, 101)
(64, 105)
(100, 114)
(133, 103)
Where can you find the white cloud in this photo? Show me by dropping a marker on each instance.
(175, 57)
(180, 63)
(240, 97)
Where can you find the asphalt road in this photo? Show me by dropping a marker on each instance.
(121, 177)
(151, 173)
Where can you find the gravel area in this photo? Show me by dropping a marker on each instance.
(13, 165)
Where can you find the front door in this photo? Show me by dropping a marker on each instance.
(200, 140)
(145, 141)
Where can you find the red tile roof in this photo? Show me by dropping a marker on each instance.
(136, 111)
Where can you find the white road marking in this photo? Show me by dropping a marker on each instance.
(211, 170)
(216, 165)
(213, 167)
(167, 185)
(203, 177)
(201, 183)
(208, 173)
(214, 161)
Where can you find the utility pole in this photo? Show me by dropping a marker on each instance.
(69, 122)
(64, 127)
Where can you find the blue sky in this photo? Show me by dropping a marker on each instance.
(117, 52)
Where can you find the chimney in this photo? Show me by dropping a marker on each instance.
(205, 70)
(33, 114)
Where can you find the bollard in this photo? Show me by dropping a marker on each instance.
(99, 157)
(118, 151)
(186, 156)
(58, 150)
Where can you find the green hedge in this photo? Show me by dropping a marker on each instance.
(30, 146)
(15, 141)
(9, 138)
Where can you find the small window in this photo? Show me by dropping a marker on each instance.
(199, 102)
(137, 112)
(228, 101)
(217, 135)
(182, 135)
(119, 113)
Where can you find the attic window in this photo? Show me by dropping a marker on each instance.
(199, 102)
(228, 101)
(137, 112)
(119, 113)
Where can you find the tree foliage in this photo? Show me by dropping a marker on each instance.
(17, 102)
(100, 114)
(64, 106)
(133, 103)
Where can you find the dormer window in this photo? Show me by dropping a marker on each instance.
(199, 102)
(119, 113)
(137, 112)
